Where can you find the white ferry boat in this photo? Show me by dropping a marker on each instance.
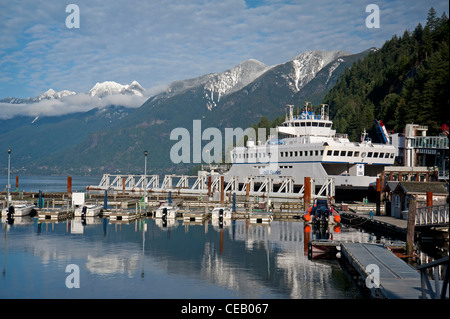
(307, 146)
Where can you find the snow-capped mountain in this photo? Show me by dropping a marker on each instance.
(48, 95)
(295, 74)
(217, 85)
(106, 88)
(99, 90)
(52, 94)
(305, 66)
(232, 80)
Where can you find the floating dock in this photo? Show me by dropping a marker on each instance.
(196, 216)
(54, 214)
(382, 272)
(120, 214)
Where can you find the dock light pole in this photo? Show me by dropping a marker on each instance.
(145, 177)
(8, 186)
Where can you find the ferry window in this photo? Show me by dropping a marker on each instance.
(308, 123)
(310, 153)
(281, 154)
(297, 124)
(328, 125)
(375, 154)
(336, 153)
(369, 154)
(300, 153)
(295, 153)
(317, 153)
(329, 152)
(350, 153)
(343, 153)
(302, 124)
(356, 153)
(392, 155)
(290, 154)
(314, 124)
(321, 124)
(386, 155)
(321, 153)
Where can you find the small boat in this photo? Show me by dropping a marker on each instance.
(166, 210)
(88, 211)
(322, 212)
(221, 212)
(19, 209)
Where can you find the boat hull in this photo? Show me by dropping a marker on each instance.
(20, 210)
(166, 212)
(87, 211)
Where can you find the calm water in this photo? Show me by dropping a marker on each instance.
(143, 259)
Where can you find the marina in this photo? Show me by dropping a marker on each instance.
(309, 196)
(312, 242)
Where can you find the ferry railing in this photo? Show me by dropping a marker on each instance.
(438, 292)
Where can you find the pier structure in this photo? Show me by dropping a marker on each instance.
(386, 276)
(208, 185)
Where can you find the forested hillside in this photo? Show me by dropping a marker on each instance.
(406, 81)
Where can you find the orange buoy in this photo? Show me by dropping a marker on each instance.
(337, 229)
(307, 217)
(337, 218)
(307, 229)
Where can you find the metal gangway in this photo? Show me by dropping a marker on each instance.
(210, 184)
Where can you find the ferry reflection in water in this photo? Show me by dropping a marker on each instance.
(148, 259)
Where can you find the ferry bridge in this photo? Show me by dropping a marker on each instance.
(208, 185)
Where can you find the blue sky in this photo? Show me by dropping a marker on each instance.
(160, 41)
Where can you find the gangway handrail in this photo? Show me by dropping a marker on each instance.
(425, 281)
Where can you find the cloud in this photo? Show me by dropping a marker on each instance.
(157, 42)
(70, 104)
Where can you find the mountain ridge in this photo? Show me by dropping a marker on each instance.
(237, 97)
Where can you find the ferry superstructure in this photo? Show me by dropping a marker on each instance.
(307, 146)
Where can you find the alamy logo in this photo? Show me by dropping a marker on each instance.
(189, 149)
(73, 279)
(373, 276)
(73, 19)
(373, 19)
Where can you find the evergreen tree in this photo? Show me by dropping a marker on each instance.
(406, 81)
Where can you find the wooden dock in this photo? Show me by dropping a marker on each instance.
(196, 216)
(54, 214)
(121, 214)
(394, 278)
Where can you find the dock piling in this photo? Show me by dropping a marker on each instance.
(307, 193)
(411, 227)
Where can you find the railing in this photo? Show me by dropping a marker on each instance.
(432, 215)
(182, 184)
(438, 292)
